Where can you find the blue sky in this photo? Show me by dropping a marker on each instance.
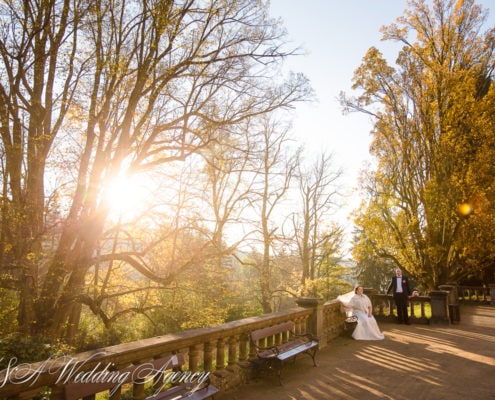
(336, 35)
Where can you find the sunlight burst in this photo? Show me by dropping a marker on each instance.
(126, 196)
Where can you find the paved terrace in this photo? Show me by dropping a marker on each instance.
(418, 362)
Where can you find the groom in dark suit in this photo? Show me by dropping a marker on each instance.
(399, 286)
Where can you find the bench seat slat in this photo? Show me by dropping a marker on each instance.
(290, 345)
(297, 350)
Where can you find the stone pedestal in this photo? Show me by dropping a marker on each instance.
(439, 307)
(452, 301)
(452, 298)
(315, 324)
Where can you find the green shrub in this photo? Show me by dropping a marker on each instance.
(29, 349)
(9, 304)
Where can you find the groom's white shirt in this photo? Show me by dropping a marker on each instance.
(399, 284)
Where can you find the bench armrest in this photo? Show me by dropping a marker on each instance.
(274, 349)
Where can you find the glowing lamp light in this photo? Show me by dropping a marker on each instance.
(465, 209)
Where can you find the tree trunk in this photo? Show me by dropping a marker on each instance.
(266, 294)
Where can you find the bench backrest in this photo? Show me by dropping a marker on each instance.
(272, 330)
(78, 390)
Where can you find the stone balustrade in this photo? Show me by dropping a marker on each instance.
(477, 294)
(383, 308)
(222, 350)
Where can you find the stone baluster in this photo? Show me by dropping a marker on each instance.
(381, 308)
(301, 325)
(115, 394)
(138, 389)
(194, 352)
(220, 354)
(328, 318)
(412, 314)
(491, 287)
(209, 347)
(233, 340)
(270, 341)
(243, 347)
(252, 349)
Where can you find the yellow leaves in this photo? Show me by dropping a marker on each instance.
(205, 316)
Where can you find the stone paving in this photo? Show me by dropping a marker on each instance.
(420, 362)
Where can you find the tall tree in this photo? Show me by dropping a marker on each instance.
(277, 168)
(231, 168)
(431, 114)
(115, 87)
(317, 239)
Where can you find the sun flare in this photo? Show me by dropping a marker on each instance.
(126, 196)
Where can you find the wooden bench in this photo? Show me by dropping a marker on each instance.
(184, 383)
(276, 344)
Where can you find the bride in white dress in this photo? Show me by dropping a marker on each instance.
(360, 305)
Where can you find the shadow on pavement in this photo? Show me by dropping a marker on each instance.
(418, 362)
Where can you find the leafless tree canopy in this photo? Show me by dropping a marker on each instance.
(93, 89)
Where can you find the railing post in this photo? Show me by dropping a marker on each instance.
(439, 307)
(316, 320)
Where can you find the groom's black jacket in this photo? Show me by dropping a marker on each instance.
(392, 287)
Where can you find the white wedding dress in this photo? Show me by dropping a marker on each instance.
(366, 328)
